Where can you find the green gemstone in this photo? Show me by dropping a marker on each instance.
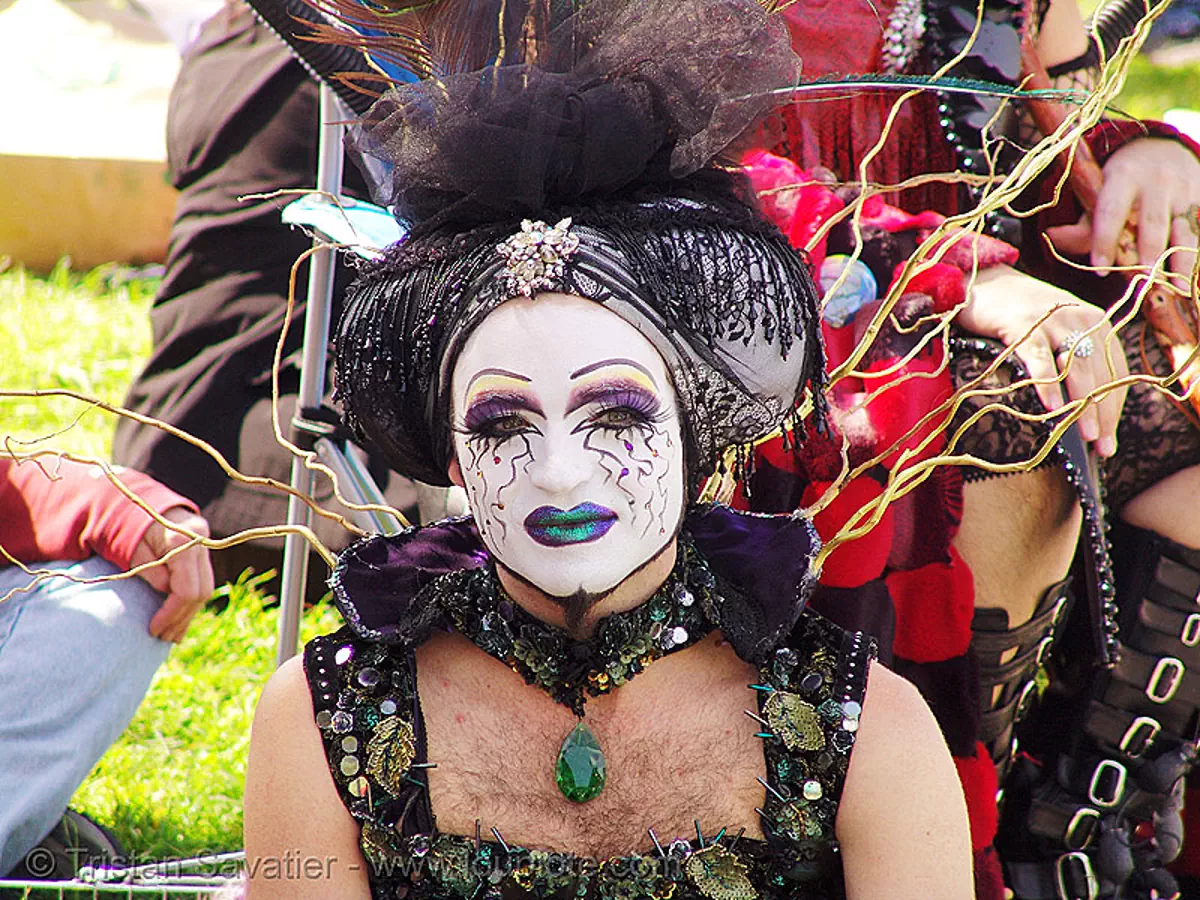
(579, 772)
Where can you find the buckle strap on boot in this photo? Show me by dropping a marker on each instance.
(1131, 755)
(1176, 583)
(1120, 732)
(1009, 659)
(1069, 877)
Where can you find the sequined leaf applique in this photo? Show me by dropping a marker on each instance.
(796, 823)
(377, 848)
(719, 874)
(795, 721)
(390, 753)
(451, 861)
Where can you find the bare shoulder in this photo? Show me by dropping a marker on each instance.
(300, 840)
(889, 696)
(902, 823)
(285, 698)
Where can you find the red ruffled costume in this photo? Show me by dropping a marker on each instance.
(905, 567)
(904, 572)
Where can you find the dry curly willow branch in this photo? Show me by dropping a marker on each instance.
(13, 449)
(999, 191)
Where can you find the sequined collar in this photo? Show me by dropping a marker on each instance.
(760, 566)
(675, 617)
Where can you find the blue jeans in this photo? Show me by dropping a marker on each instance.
(75, 662)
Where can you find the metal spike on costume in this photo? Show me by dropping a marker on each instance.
(757, 718)
(778, 796)
(657, 845)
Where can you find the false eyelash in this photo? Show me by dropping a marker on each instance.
(493, 406)
(647, 406)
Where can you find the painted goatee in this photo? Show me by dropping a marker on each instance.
(575, 607)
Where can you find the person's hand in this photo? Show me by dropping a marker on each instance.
(1155, 180)
(1005, 303)
(186, 579)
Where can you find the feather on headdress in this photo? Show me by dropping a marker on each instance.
(526, 104)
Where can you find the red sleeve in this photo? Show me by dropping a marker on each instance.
(1109, 136)
(70, 511)
(1105, 139)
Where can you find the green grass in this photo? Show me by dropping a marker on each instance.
(83, 332)
(172, 785)
(1151, 90)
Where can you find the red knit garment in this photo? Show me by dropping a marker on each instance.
(53, 509)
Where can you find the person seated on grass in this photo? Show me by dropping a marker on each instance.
(78, 647)
(592, 686)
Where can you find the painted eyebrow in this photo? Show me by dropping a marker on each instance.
(579, 373)
(507, 374)
(590, 393)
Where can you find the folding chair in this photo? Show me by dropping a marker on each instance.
(364, 228)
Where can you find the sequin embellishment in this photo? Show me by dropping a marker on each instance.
(390, 753)
(719, 874)
(536, 257)
(624, 644)
(795, 721)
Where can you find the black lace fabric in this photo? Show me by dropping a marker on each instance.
(728, 304)
(998, 436)
(1155, 438)
(568, 102)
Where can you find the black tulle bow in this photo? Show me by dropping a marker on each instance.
(609, 100)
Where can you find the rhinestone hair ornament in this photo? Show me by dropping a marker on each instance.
(536, 256)
(611, 133)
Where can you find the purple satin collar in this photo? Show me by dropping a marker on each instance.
(766, 558)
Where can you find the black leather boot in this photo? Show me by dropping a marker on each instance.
(1094, 812)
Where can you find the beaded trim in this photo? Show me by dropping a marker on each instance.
(810, 716)
(367, 712)
(964, 118)
(676, 616)
(902, 37)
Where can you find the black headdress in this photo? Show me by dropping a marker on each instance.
(580, 156)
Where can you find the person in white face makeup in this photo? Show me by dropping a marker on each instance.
(593, 686)
(567, 440)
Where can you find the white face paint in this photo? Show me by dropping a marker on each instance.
(567, 432)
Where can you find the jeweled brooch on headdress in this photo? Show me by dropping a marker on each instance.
(536, 256)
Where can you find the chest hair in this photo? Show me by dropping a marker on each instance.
(678, 745)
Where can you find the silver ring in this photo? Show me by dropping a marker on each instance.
(1077, 344)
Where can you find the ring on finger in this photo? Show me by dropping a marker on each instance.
(1076, 343)
(1190, 217)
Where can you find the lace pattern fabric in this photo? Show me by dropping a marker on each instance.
(1155, 437)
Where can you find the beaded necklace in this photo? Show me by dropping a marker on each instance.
(676, 616)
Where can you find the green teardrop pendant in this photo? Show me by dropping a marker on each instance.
(579, 771)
